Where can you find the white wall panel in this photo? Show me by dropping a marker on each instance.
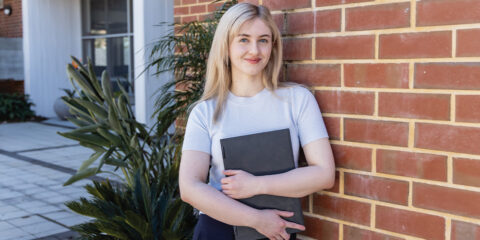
(147, 14)
(51, 33)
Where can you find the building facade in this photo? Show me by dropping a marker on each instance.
(115, 34)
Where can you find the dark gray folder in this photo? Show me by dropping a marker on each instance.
(261, 154)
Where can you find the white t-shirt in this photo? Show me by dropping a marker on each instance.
(294, 108)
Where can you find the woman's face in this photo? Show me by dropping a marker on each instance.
(250, 49)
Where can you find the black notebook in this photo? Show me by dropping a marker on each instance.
(261, 154)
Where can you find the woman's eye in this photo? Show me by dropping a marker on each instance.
(243, 40)
(263, 40)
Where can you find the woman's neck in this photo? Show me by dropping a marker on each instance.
(246, 87)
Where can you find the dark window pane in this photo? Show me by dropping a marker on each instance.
(117, 16)
(94, 17)
(105, 16)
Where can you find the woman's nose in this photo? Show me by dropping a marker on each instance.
(254, 48)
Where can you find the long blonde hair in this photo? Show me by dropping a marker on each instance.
(219, 76)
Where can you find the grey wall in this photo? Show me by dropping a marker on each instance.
(11, 58)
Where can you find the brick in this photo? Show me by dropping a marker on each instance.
(356, 158)
(447, 138)
(346, 102)
(463, 230)
(205, 17)
(297, 49)
(314, 74)
(189, 19)
(286, 4)
(198, 9)
(180, 10)
(249, 1)
(382, 16)
(376, 188)
(447, 12)
(333, 127)
(185, 2)
(414, 105)
(305, 201)
(337, 2)
(447, 75)
(336, 186)
(445, 199)
(279, 21)
(214, 6)
(376, 132)
(314, 22)
(342, 209)
(466, 171)
(380, 75)
(353, 233)
(320, 229)
(467, 43)
(350, 47)
(466, 108)
(410, 223)
(410, 164)
(11, 26)
(416, 45)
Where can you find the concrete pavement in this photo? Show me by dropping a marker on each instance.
(34, 163)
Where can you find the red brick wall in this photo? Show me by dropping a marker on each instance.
(398, 82)
(11, 26)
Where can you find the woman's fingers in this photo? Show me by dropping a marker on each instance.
(230, 172)
(225, 180)
(295, 226)
(284, 213)
(285, 235)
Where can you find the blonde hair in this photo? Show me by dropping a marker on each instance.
(218, 77)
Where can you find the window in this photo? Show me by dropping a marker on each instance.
(107, 38)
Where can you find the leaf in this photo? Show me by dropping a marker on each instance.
(81, 175)
(90, 160)
(91, 74)
(114, 139)
(113, 119)
(115, 162)
(95, 108)
(87, 128)
(137, 222)
(83, 83)
(87, 138)
(107, 87)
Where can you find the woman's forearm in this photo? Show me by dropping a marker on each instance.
(298, 182)
(217, 205)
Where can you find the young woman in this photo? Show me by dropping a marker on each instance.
(243, 96)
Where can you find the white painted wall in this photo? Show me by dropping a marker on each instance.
(51, 33)
(146, 14)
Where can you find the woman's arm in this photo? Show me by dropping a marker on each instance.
(193, 189)
(299, 182)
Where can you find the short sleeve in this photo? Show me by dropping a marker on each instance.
(197, 136)
(309, 117)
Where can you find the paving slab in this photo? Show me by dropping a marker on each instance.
(36, 161)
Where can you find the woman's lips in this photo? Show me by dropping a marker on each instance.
(253, 60)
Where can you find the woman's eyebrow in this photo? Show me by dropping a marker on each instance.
(247, 35)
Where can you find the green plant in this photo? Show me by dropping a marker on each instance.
(15, 107)
(146, 203)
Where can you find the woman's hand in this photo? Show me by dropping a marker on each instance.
(273, 226)
(239, 184)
